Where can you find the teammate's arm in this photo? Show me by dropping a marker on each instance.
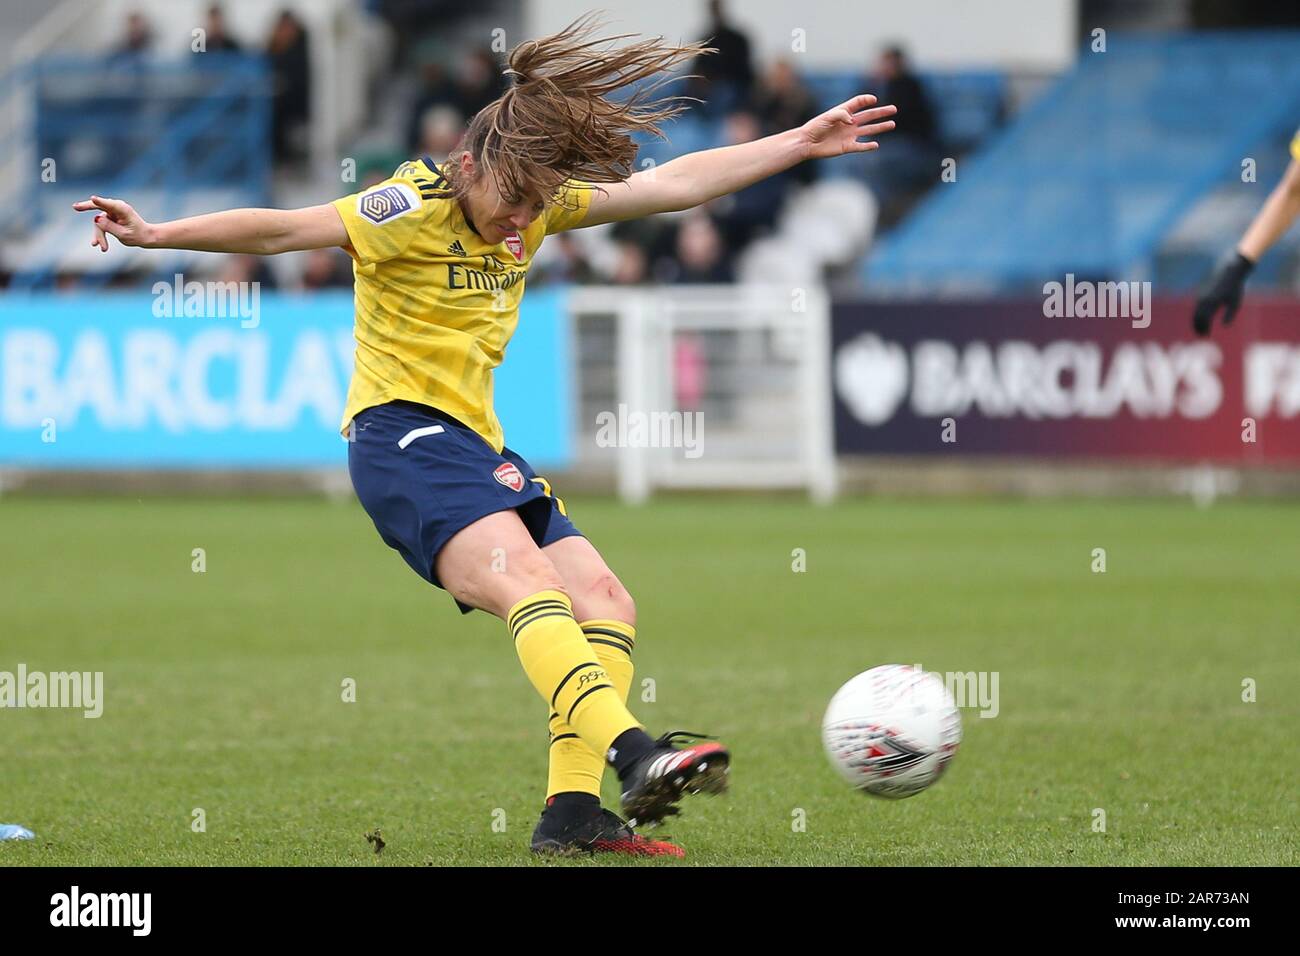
(698, 177)
(1280, 210)
(262, 232)
(1227, 283)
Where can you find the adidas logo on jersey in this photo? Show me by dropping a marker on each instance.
(456, 248)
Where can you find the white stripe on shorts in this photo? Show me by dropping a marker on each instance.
(415, 433)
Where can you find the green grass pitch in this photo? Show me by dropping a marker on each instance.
(1120, 691)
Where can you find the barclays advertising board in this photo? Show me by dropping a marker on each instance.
(123, 380)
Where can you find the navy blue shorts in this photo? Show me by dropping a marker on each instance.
(422, 476)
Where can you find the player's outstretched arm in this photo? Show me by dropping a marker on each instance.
(262, 232)
(1226, 284)
(698, 177)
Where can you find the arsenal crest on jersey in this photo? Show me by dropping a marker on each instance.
(509, 476)
(516, 246)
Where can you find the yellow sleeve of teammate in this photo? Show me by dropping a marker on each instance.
(383, 220)
(568, 207)
(1295, 146)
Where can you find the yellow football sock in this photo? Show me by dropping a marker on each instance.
(566, 671)
(575, 767)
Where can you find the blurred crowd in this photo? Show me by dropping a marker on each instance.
(740, 98)
(743, 98)
(286, 53)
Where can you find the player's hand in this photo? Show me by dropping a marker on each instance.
(1222, 291)
(116, 218)
(840, 130)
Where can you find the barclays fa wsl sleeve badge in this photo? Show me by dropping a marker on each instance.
(387, 203)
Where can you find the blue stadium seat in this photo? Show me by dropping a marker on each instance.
(1092, 177)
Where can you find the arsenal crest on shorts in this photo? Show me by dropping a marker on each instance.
(516, 246)
(509, 476)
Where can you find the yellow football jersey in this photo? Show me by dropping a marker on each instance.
(435, 304)
(1295, 146)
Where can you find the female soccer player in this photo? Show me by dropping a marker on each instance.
(440, 258)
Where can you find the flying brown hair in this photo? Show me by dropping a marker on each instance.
(556, 121)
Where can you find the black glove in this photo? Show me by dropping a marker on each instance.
(1222, 291)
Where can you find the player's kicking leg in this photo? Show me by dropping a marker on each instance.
(495, 565)
(573, 819)
(473, 521)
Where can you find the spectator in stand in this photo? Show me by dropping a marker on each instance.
(895, 83)
(480, 82)
(247, 269)
(436, 90)
(631, 265)
(564, 262)
(643, 248)
(723, 80)
(215, 37)
(700, 253)
(138, 39)
(136, 45)
(440, 130)
(900, 174)
(744, 215)
(121, 103)
(291, 85)
(329, 268)
(782, 102)
(690, 371)
(412, 20)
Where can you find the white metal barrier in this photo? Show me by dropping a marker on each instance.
(714, 387)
